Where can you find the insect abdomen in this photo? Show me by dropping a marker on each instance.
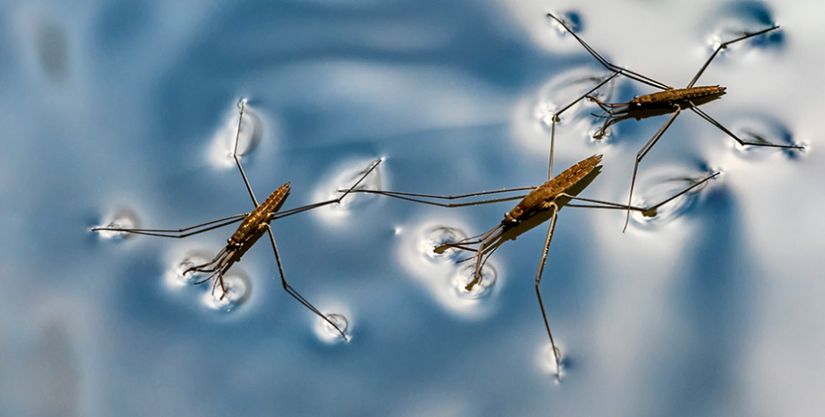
(553, 187)
(679, 94)
(252, 222)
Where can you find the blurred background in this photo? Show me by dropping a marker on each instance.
(124, 113)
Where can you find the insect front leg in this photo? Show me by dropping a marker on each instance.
(539, 273)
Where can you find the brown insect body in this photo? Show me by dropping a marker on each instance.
(668, 98)
(253, 226)
(542, 196)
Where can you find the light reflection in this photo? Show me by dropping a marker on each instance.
(339, 314)
(222, 144)
(121, 218)
(445, 281)
(344, 177)
(237, 291)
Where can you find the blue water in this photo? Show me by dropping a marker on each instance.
(124, 112)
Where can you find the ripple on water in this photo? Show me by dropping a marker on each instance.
(249, 135)
(734, 19)
(238, 289)
(344, 177)
(762, 128)
(546, 360)
(326, 333)
(175, 274)
(662, 186)
(564, 88)
(576, 124)
(572, 18)
(438, 236)
(444, 278)
(464, 276)
(123, 217)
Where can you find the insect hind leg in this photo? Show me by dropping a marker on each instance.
(605, 63)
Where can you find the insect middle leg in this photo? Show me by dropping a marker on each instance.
(426, 198)
(336, 200)
(642, 153)
(648, 211)
(293, 292)
(539, 273)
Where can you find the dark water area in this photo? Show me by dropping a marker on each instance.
(125, 112)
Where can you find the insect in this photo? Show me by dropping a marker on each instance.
(668, 101)
(254, 225)
(541, 203)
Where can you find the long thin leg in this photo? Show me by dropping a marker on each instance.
(291, 291)
(615, 68)
(176, 233)
(642, 152)
(648, 211)
(555, 119)
(487, 239)
(556, 352)
(331, 201)
(742, 142)
(723, 46)
(600, 203)
(435, 203)
(447, 197)
(241, 108)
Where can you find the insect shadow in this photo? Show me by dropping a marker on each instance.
(540, 204)
(254, 225)
(669, 100)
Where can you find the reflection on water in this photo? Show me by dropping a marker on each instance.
(124, 113)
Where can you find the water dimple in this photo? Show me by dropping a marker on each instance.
(122, 218)
(248, 133)
(482, 289)
(556, 96)
(735, 19)
(347, 177)
(237, 290)
(327, 333)
(178, 275)
(663, 187)
(571, 18)
(438, 236)
(546, 358)
(764, 129)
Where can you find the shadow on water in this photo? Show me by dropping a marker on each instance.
(275, 36)
(713, 302)
(49, 367)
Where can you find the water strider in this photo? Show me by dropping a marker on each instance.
(668, 101)
(254, 225)
(540, 204)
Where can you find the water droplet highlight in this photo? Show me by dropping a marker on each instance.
(438, 236)
(122, 218)
(327, 333)
(223, 142)
(480, 290)
(345, 178)
(238, 288)
(659, 190)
